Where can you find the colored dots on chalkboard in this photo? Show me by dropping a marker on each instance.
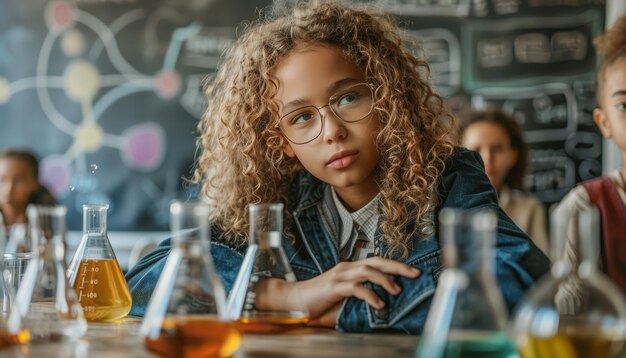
(73, 43)
(82, 81)
(59, 15)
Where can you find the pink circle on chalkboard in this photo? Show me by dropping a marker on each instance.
(167, 84)
(144, 146)
(59, 15)
(54, 174)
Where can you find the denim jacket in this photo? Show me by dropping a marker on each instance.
(463, 185)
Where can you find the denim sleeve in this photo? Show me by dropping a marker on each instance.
(519, 263)
(143, 277)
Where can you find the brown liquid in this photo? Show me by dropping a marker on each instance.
(194, 336)
(9, 339)
(102, 290)
(266, 323)
(573, 344)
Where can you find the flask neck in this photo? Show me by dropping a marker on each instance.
(94, 219)
(266, 240)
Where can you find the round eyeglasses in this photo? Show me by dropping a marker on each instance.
(350, 104)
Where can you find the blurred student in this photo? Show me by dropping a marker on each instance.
(19, 186)
(608, 193)
(499, 140)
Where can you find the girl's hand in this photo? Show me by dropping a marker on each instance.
(346, 279)
(322, 293)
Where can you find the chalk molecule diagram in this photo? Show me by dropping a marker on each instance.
(141, 146)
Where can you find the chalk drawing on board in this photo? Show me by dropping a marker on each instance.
(441, 49)
(507, 52)
(141, 146)
(551, 177)
(546, 112)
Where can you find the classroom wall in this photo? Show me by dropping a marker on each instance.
(108, 92)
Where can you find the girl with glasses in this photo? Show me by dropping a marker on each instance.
(327, 111)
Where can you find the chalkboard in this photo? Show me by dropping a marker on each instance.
(108, 92)
(534, 59)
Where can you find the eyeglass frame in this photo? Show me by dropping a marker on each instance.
(330, 99)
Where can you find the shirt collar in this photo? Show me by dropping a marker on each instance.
(366, 218)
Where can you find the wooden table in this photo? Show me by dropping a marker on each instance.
(120, 340)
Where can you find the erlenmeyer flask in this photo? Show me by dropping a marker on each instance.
(265, 260)
(467, 317)
(45, 303)
(94, 272)
(186, 314)
(576, 311)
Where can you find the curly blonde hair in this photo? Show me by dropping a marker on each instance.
(610, 46)
(242, 161)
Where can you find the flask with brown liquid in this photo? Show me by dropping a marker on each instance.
(265, 260)
(186, 314)
(94, 272)
(576, 311)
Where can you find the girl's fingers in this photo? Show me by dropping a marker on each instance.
(366, 273)
(391, 267)
(357, 290)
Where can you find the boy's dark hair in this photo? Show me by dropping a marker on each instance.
(515, 177)
(42, 195)
(25, 156)
(610, 47)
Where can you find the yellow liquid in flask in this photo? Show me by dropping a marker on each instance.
(102, 290)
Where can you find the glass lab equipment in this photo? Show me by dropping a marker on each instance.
(45, 303)
(265, 260)
(17, 335)
(94, 272)
(576, 311)
(467, 317)
(18, 251)
(186, 315)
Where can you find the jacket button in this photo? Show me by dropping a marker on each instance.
(382, 313)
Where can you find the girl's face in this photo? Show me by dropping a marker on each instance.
(17, 183)
(611, 117)
(494, 146)
(344, 154)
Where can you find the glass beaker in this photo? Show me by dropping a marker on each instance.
(186, 314)
(17, 335)
(575, 311)
(94, 272)
(45, 304)
(467, 317)
(265, 260)
(18, 251)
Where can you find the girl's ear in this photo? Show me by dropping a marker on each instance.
(602, 121)
(288, 150)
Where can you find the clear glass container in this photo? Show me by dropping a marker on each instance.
(576, 311)
(265, 260)
(95, 273)
(17, 335)
(45, 304)
(186, 315)
(467, 317)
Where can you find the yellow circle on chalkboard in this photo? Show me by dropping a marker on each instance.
(82, 81)
(89, 136)
(73, 43)
(5, 90)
